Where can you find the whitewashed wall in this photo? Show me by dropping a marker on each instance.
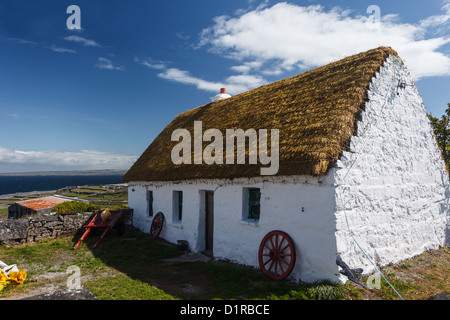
(393, 186)
(312, 230)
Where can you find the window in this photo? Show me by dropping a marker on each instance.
(177, 206)
(251, 203)
(150, 203)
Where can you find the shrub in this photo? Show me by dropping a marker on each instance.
(76, 206)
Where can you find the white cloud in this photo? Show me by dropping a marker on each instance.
(270, 41)
(287, 36)
(246, 67)
(64, 160)
(62, 50)
(14, 115)
(107, 64)
(438, 20)
(243, 82)
(184, 77)
(53, 47)
(157, 65)
(183, 36)
(22, 41)
(83, 41)
(233, 84)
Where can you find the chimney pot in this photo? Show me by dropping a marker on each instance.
(222, 95)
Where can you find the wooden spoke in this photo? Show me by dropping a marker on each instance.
(157, 225)
(276, 255)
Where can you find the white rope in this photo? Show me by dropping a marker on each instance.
(351, 234)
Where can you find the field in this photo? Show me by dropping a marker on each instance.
(105, 195)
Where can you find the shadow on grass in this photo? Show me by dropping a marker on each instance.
(152, 262)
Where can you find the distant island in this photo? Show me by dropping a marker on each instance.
(104, 172)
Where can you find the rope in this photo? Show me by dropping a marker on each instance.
(365, 254)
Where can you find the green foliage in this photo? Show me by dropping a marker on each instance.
(314, 291)
(326, 291)
(119, 207)
(76, 206)
(441, 128)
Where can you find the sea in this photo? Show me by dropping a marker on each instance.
(15, 184)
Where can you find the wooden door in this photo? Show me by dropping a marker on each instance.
(209, 221)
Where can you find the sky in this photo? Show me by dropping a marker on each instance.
(93, 92)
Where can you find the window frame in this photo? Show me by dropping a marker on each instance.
(150, 200)
(249, 208)
(177, 206)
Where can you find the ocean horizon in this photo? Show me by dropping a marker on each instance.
(11, 184)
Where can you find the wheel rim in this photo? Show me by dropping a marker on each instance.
(157, 225)
(276, 255)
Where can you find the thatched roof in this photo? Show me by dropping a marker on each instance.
(315, 112)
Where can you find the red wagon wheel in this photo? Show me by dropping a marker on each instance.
(157, 225)
(276, 255)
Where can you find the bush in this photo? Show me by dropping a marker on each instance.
(324, 290)
(76, 206)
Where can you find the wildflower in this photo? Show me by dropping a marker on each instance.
(17, 276)
(2, 280)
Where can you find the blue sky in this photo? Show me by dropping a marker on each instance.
(96, 97)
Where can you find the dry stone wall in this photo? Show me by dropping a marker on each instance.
(36, 228)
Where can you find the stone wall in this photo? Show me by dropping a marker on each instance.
(36, 228)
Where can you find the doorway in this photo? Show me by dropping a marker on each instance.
(209, 222)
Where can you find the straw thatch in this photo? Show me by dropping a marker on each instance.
(315, 112)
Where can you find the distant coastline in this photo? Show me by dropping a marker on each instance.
(48, 181)
(66, 173)
(27, 193)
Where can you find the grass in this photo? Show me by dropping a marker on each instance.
(418, 278)
(136, 267)
(121, 287)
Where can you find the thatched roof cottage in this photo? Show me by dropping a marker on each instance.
(355, 173)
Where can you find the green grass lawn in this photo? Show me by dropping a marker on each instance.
(134, 267)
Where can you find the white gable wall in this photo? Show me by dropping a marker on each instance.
(282, 201)
(393, 186)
